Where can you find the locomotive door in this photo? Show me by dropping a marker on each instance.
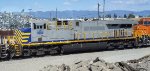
(115, 33)
(76, 35)
(120, 33)
(77, 30)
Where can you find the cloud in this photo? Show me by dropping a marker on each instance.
(95, 7)
(75, 0)
(10, 9)
(37, 5)
(70, 2)
(67, 3)
(132, 5)
(117, 2)
(130, 2)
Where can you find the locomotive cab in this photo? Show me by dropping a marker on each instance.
(51, 31)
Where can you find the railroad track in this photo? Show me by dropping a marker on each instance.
(78, 52)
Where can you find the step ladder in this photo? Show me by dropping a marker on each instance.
(3, 53)
(18, 50)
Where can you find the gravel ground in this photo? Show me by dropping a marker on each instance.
(142, 64)
(35, 64)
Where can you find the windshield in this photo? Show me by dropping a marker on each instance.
(147, 23)
(27, 25)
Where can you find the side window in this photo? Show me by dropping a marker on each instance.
(65, 22)
(126, 26)
(59, 23)
(48, 27)
(77, 24)
(41, 26)
(34, 25)
(44, 25)
(38, 26)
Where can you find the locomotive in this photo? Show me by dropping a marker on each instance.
(142, 31)
(64, 36)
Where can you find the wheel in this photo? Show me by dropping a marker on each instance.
(110, 46)
(10, 53)
(26, 52)
(121, 46)
(60, 50)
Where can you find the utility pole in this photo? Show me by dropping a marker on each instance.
(104, 10)
(98, 10)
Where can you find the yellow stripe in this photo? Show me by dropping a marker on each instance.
(23, 41)
(25, 33)
(24, 37)
(75, 41)
(48, 43)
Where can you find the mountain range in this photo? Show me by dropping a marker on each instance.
(85, 13)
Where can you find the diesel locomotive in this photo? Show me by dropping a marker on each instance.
(63, 36)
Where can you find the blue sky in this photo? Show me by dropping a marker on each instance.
(49, 5)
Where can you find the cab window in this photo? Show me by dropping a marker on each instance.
(35, 26)
(77, 23)
(27, 25)
(146, 22)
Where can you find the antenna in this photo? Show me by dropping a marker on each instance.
(30, 10)
(98, 10)
(104, 10)
(56, 13)
(50, 18)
